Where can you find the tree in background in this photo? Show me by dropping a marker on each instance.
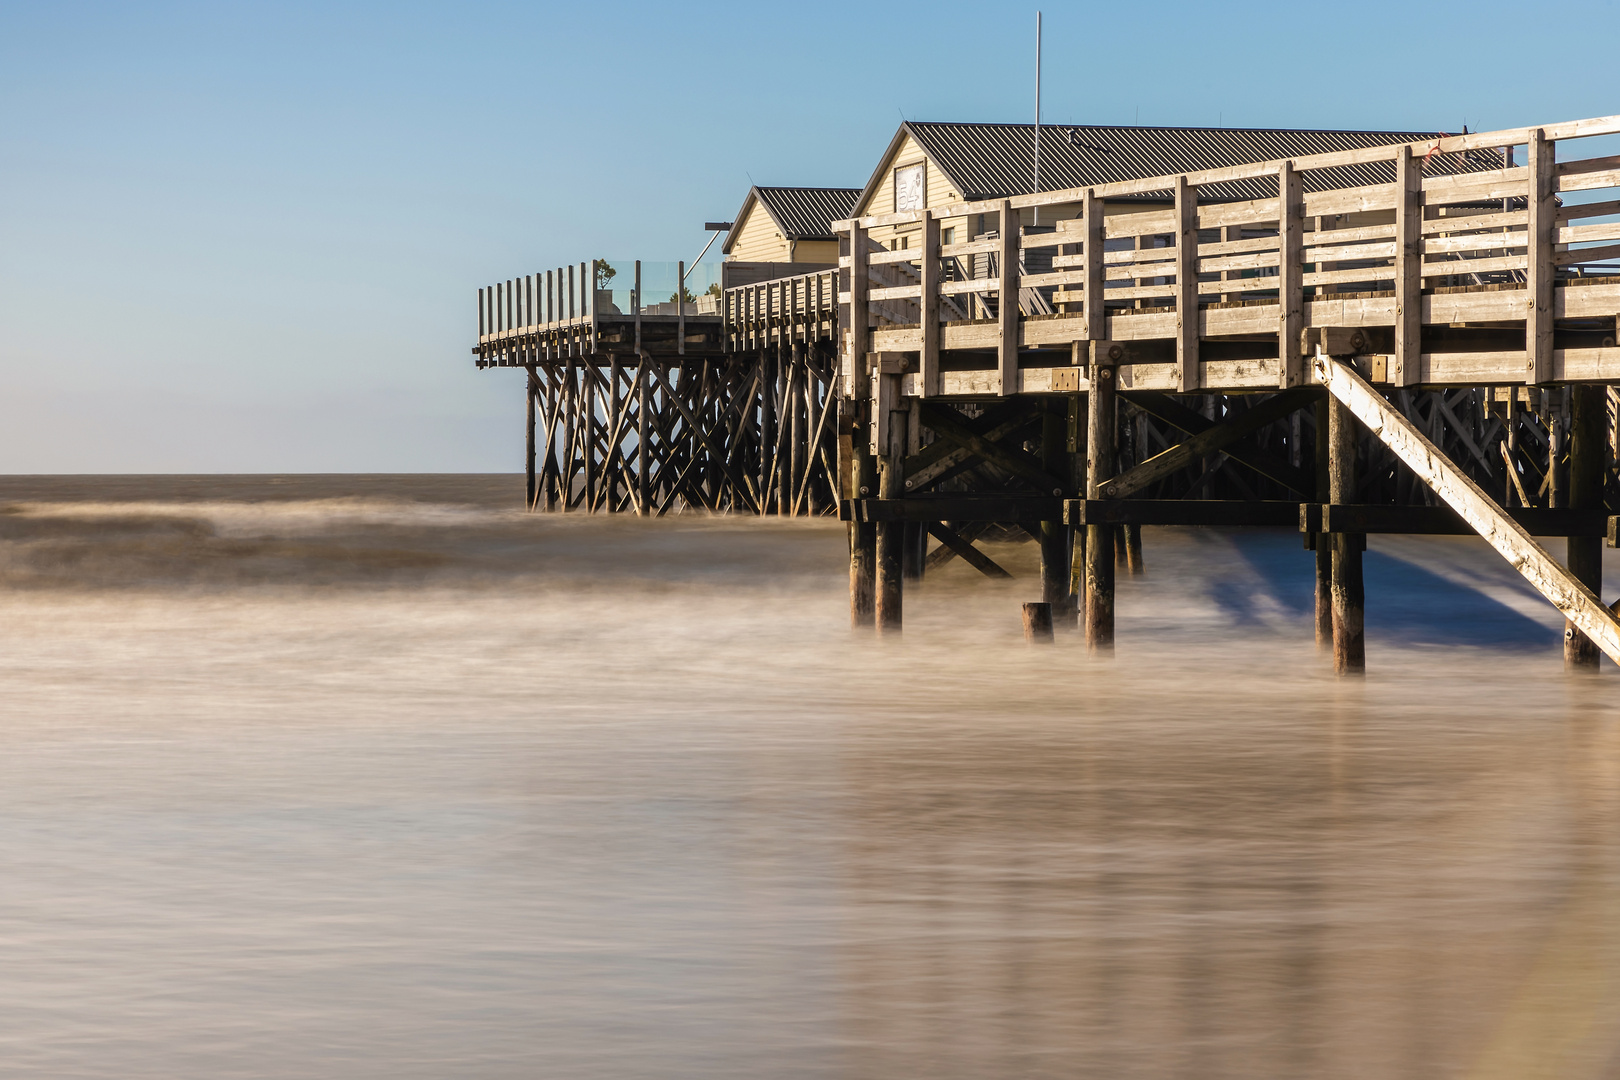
(605, 274)
(686, 295)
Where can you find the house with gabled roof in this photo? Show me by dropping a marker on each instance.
(780, 231)
(931, 164)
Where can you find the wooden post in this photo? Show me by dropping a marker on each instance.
(1408, 269)
(1078, 429)
(1038, 623)
(565, 480)
(588, 375)
(1055, 534)
(1187, 372)
(530, 492)
(1133, 549)
(1349, 639)
(863, 536)
(643, 425)
(791, 467)
(929, 308)
(1542, 227)
(1290, 275)
(1322, 542)
(680, 308)
(1007, 305)
(1588, 453)
(1100, 420)
(1092, 308)
(891, 485)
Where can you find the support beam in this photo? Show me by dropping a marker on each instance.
(949, 424)
(530, 492)
(1408, 269)
(1101, 417)
(929, 263)
(1569, 595)
(1290, 275)
(1217, 437)
(1186, 210)
(1321, 543)
(1054, 533)
(964, 548)
(1542, 214)
(890, 534)
(1349, 597)
(1588, 455)
(1007, 301)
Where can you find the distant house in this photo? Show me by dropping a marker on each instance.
(782, 231)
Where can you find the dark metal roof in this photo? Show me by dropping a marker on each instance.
(996, 160)
(803, 213)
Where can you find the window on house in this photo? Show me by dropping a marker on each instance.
(948, 236)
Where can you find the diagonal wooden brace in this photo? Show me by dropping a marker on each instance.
(1580, 605)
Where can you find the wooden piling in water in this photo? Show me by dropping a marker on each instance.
(1588, 458)
(530, 491)
(890, 534)
(1321, 543)
(1101, 413)
(1349, 600)
(1055, 534)
(1038, 623)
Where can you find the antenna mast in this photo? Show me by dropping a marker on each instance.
(1037, 111)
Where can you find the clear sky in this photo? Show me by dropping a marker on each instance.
(246, 238)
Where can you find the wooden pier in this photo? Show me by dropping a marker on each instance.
(1411, 337)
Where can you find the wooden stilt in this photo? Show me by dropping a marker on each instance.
(1349, 639)
(912, 550)
(767, 427)
(1038, 623)
(1133, 550)
(890, 534)
(1588, 453)
(570, 409)
(643, 434)
(530, 491)
(1321, 542)
(863, 547)
(1055, 534)
(1101, 413)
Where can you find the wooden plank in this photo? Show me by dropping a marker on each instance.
(1538, 329)
(1408, 269)
(1186, 269)
(1443, 520)
(1578, 603)
(1007, 301)
(1194, 513)
(929, 359)
(1091, 296)
(960, 508)
(1586, 255)
(1290, 285)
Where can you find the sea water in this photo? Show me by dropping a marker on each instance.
(382, 777)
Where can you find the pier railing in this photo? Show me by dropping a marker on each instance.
(1450, 231)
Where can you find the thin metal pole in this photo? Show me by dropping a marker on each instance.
(1037, 112)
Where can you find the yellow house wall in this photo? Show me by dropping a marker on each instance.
(757, 239)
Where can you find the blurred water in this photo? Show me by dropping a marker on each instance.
(374, 777)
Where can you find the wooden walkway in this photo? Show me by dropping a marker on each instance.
(1431, 352)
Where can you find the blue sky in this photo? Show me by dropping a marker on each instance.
(246, 238)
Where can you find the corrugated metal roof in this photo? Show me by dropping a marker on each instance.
(808, 213)
(996, 160)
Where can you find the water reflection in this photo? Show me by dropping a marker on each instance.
(576, 798)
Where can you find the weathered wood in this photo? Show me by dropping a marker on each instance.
(1092, 309)
(1542, 220)
(1186, 271)
(1211, 439)
(949, 424)
(1588, 453)
(1578, 603)
(1038, 623)
(1054, 534)
(891, 485)
(929, 264)
(1349, 600)
(1443, 521)
(1007, 300)
(1273, 468)
(531, 400)
(1290, 271)
(1201, 513)
(1408, 269)
(1101, 415)
(964, 548)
